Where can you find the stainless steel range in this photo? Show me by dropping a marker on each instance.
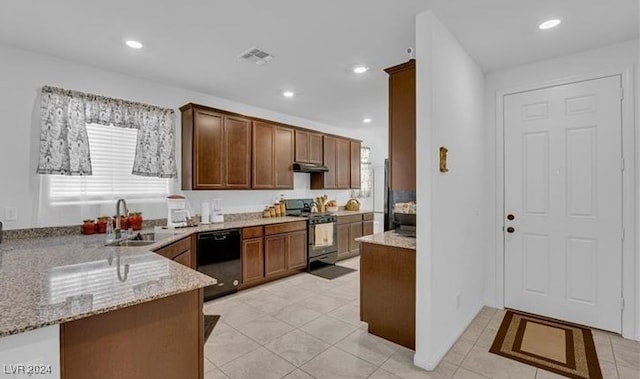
(322, 233)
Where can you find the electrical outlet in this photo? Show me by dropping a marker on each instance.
(10, 213)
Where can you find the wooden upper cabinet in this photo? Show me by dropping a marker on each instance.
(343, 163)
(263, 156)
(273, 147)
(216, 150)
(203, 150)
(308, 147)
(315, 148)
(402, 126)
(237, 143)
(355, 164)
(302, 146)
(327, 179)
(283, 149)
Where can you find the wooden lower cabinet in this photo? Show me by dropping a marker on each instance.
(275, 255)
(181, 251)
(352, 227)
(367, 228)
(281, 252)
(163, 338)
(252, 260)
(297, 250)
(388, 292)
(344, 247)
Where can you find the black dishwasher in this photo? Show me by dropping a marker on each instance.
(218, 256)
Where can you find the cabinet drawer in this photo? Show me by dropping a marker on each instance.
(176, 248)
(285, 228)
(252, 232)
(349, 219)
(367, 217)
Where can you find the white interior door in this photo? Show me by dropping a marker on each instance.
(563, 187)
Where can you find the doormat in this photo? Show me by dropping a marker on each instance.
(331, 272)
(209, 323)
(563, 348)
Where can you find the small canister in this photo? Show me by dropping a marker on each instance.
(266, 213)
(278, 210)
(272, 211)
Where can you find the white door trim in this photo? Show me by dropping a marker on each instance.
(630, 192)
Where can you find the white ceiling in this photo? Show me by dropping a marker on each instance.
(195, 43)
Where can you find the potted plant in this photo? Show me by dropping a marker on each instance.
(135, 220)
(88, 226)
(101, 225)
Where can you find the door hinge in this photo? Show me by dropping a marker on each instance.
(622, 303)
(621, 93)
(622, 164)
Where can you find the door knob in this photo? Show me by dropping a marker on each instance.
(511, 217)
(511, 229)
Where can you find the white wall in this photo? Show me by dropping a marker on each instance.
(449, 253)
(614, 58)
(40, 347)
(23, 73)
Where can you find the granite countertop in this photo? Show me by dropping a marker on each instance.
(390, 238)
(47, 281)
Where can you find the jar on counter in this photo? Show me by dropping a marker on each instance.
(272, 211)
(266, 213)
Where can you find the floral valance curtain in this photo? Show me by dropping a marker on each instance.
(64, 145)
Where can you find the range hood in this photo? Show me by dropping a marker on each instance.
(309, 167)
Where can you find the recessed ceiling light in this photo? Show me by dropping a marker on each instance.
(367, 120)
(549, 24)
(360, 69)
(288, 94)
(134, 44)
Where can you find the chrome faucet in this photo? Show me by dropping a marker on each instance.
(118, 230)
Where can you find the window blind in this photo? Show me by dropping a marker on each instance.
(112, 154)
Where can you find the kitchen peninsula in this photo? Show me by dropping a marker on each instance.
(142, 311)
(388, 286)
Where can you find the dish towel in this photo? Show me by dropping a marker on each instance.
(323, 235)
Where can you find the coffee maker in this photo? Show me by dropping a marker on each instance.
(178, 213)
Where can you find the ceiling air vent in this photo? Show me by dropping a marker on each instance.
(256, 56)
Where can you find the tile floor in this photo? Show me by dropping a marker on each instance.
(308, 327)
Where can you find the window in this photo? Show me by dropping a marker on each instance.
(366, 173)
(112, 154)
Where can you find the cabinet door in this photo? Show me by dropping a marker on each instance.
(367, 228)
(343, 240)
(275, 255)
(302, 146)
(315, 148)
(329, 160)
(237, 141)
(354, 158)
(252, 260)
(402, 127)
(355, 232)
(343, 163)
(208, 150)
(263, 156)
(184, 259)
(297, 250)
(283, 157)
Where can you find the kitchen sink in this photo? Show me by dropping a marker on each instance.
(141, 239)
(132, 243)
